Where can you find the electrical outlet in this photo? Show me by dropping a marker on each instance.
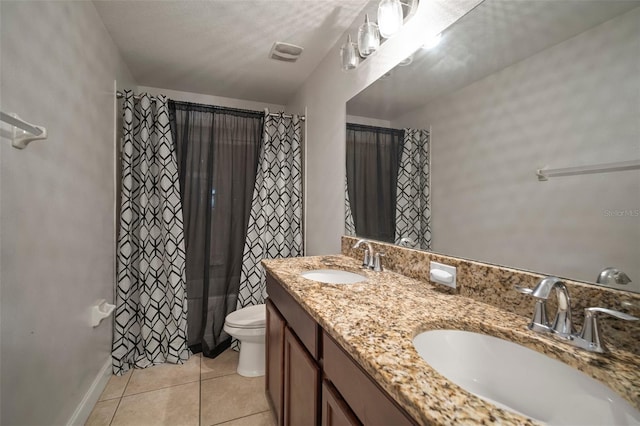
(442, 274)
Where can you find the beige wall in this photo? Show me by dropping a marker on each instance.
(576, 103)
(58, 68)
(323, 98)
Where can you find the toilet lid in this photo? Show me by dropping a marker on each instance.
(249, 317)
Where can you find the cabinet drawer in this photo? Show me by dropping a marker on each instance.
(296, 317)
(367, 400)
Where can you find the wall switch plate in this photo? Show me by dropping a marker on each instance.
(442, 274)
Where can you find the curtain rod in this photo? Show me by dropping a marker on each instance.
(120, 95)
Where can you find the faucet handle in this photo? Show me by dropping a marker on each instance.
(540, 321)
(523, 290)
(377, 263)
(589, 338)
(589, 312)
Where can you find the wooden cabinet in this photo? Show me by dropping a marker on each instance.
(299, 355)
(335, 411)
(292, 351)
(301, 382)
(274, 341)
(366, 399)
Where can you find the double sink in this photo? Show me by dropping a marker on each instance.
(510, 376)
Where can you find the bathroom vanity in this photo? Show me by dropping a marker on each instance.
(343, 353)
(310, 379)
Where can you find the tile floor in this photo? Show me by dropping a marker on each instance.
(201, 392)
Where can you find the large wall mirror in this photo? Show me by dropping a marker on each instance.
(443, 151)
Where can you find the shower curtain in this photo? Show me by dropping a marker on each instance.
(218, 150)
(275, 224)
(151, 311)
(413, 208)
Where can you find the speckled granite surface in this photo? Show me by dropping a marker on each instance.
(494, 285)
(375, 322)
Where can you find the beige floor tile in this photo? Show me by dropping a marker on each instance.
(102, 413)
(230, 397)
(176, 405)
(226, 363)
(115, 387)
(164, 375)
(261, 419)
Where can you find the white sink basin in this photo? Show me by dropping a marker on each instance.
(522, 380)
(333, 276)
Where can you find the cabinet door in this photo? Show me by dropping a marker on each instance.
(301, 383)
(274, 342)
(336, 412)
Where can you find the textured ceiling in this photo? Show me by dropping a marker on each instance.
(221, 47)
(494, 35)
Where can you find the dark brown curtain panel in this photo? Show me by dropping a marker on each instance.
(217, 150)
(373, 159)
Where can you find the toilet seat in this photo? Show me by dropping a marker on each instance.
(249, 317)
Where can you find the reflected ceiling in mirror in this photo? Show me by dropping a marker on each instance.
(512, 87)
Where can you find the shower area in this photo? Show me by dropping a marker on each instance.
(206, 192)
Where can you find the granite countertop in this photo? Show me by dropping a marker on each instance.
(375, 322)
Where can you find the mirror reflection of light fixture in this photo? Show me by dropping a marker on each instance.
(368, 38)
(406, 61)
(349, 55)
(432, 41)
(390, 17)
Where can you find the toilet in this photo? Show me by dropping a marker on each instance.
(248, 326)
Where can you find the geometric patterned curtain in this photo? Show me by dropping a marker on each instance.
(349, 225)
(150, 325)
(413, 201)
(275, 223)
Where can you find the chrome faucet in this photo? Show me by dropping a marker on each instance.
(371, 259)
(562, 326)
(612, 276)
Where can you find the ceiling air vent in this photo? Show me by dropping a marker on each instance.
(285, 52)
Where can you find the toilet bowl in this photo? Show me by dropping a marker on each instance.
(248, 326)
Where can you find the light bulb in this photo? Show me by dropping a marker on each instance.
(368, 38)
(389, 17)
(348, 55)
(432, 41)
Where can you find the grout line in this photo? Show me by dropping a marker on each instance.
(161, 388)
(113, 416)
(217, 377)
(241, 417)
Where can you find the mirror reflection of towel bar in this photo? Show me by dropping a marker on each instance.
(544, 174)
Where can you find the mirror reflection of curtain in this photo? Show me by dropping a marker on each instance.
(349, 226)
(373, 158)
(413, 209)
(217, 150)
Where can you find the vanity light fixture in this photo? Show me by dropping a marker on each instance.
(349, 55)
(390, 17)
(432, 41)
(368, 37)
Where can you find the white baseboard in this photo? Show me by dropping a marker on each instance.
(81, 414)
